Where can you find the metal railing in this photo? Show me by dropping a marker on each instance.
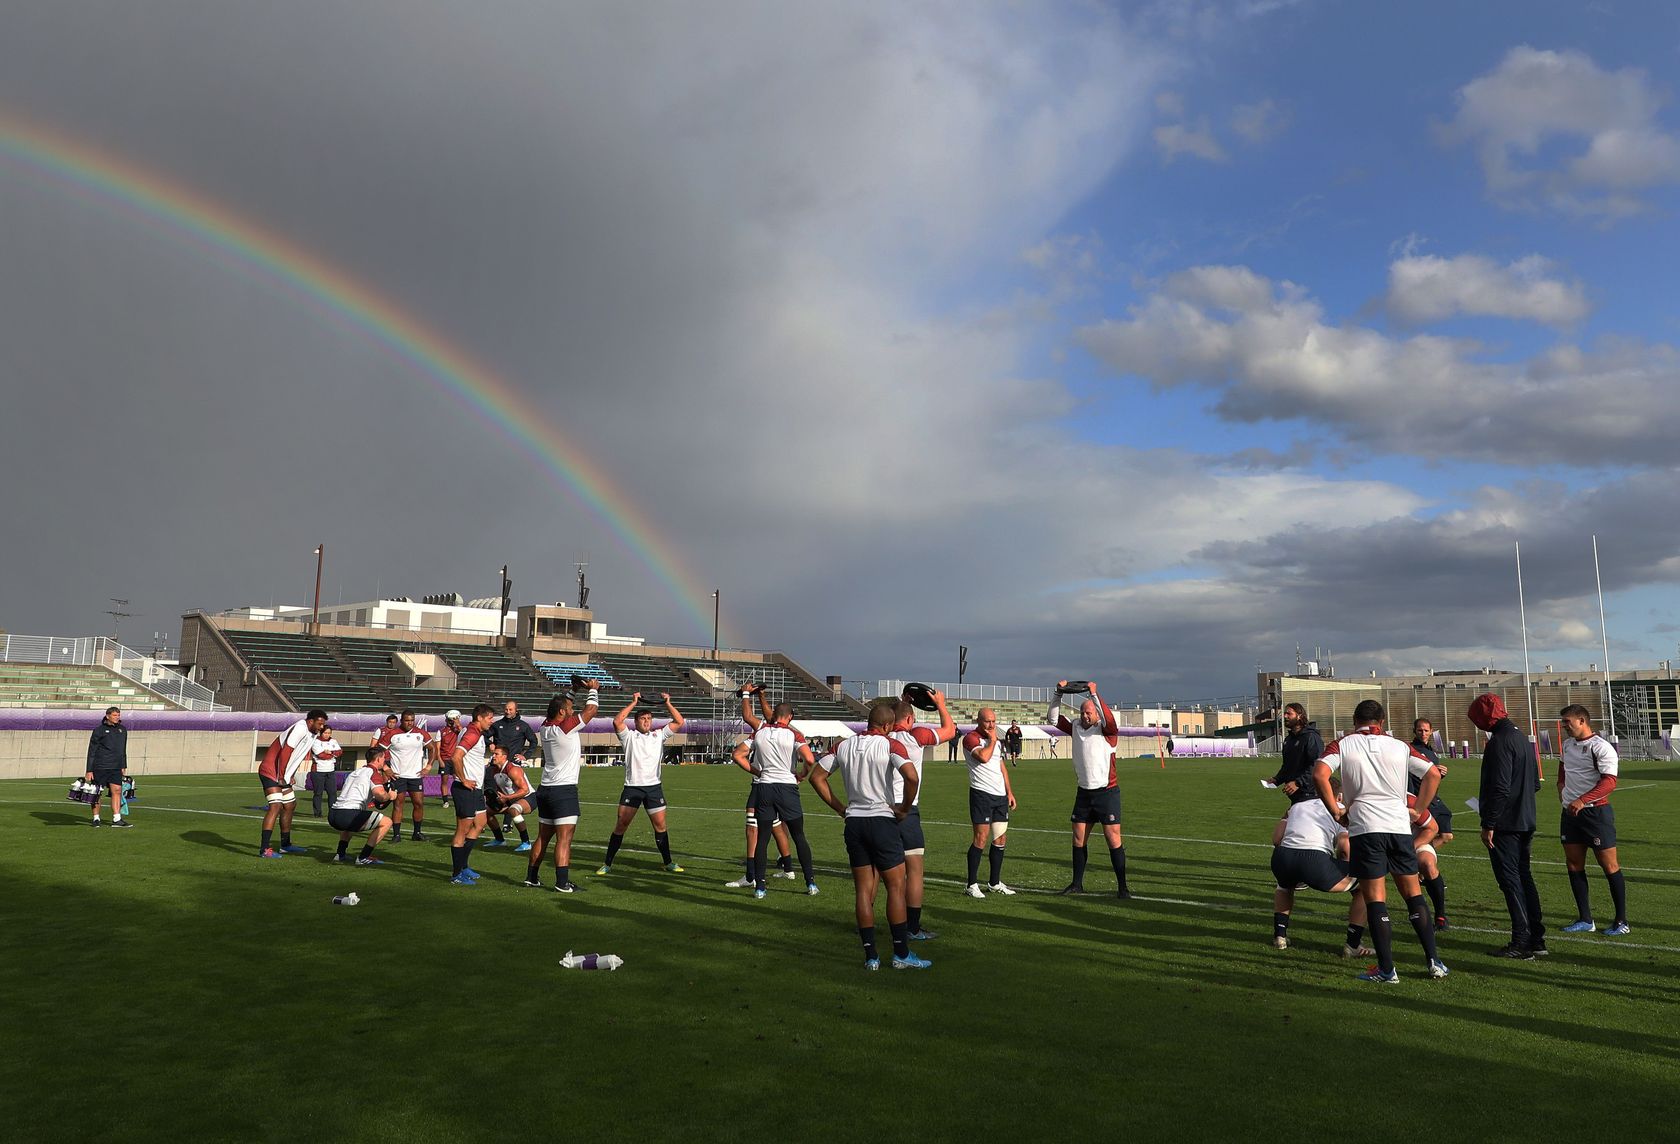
(100, 651)
(986, 692)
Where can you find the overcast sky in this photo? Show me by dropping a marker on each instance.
(1141, 342)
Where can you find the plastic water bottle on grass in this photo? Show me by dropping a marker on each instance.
(591, 960)
(350, 899)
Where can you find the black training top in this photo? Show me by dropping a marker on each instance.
(1301, 749)
(1510, 779)
(108, 748)
(515, 735)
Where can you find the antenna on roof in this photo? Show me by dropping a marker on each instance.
(583, 582)
(117, 614)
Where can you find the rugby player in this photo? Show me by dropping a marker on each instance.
(1313, 852)
(644, 755)
(507, 791)
(515, 734)
(350, 813)
(410, 747)
(1435, 830)
(324, 754)
(742, 757)
(1097, 800)
(1374, 767)
(874, 845)
(557, 796)
(990, 799)
(1585, 779)
(281, 762)
(776, 746)
(471, 752)
(916, 740)
(448, 736)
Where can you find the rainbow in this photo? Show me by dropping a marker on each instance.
(336, 294)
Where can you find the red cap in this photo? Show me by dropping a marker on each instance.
(1486, 710)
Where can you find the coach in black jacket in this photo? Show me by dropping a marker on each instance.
(1301, 748)
(1510, 778)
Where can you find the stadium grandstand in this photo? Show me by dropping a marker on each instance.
(92, 673)
(388, 655)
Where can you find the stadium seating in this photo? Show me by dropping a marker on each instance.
(560, 673)
(496, 676)
(648, 674)
(808, 703)
(306, 671)
(58, 686)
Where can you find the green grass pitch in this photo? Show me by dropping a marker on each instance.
(165, 984)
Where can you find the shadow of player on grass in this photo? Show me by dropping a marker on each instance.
(60, 818)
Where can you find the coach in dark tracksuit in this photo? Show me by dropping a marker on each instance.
(514, 735)
(1301, 748)
(107, 762)
(1510, 778)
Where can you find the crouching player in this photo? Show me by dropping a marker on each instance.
(350, 813)
(1313, 852)
(507, 791)
(874, 846)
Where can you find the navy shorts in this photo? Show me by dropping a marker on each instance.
(910, 830)
(557, 802)
(1101, 806)
(467, 802)
(1375, 856)
(779, 802)
(1595, 826)
(874, 842)
(983, 807)
(651, 797)
(268, 784)
(407, 786)
(1313, 868)
(1443, 816)
(348, 818)
(103, 779)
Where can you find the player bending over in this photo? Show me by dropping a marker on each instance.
(285, 757)
(508, 792)
(1313, 852)
(350, 813)
(874, 847)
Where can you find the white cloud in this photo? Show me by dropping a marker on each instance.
(1533, 98)
(1428, 288)
(1176, 139)
(1259, 122)
(1269, 353)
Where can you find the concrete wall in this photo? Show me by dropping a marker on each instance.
(63, 754)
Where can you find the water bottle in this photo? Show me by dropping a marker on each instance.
(349, 899)
(591, 960)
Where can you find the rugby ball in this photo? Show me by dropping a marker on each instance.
(920, 695)
(504, 784)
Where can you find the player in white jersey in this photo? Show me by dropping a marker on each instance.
(351, 812)
(472, 752)
(644, 755)
(876, 770)
(1097, 800)
(281, 764)
(1313, 852)
(508, 791)
(916, 739)
(781, 761)
(990, 799)
(324, 754)
(557, 793)
(410, 746)
(1374, 769)
(1586, 776)
(742, 757)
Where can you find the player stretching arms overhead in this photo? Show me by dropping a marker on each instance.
(916, 740)
(742, 757)
(285, 757)
(471, 754)
(1374, 767)
(874, 846)
(644, 755)
(557, 796)
(1097, 800)
(776, 748)
(990, 799)
(409, 749)
(1585, 779)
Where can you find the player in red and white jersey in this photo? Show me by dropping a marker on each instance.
(1587, 773)
(381, 739)
(1097, 800)
(881, 782)
(990, 799)
(781, 761)
(285, 758)
(644, 755)
(916, 739)
(448, 735)
(507, 791)
(1374, 769)
(557, 794)
(472, 752)
(410, 747)
(324, 754)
